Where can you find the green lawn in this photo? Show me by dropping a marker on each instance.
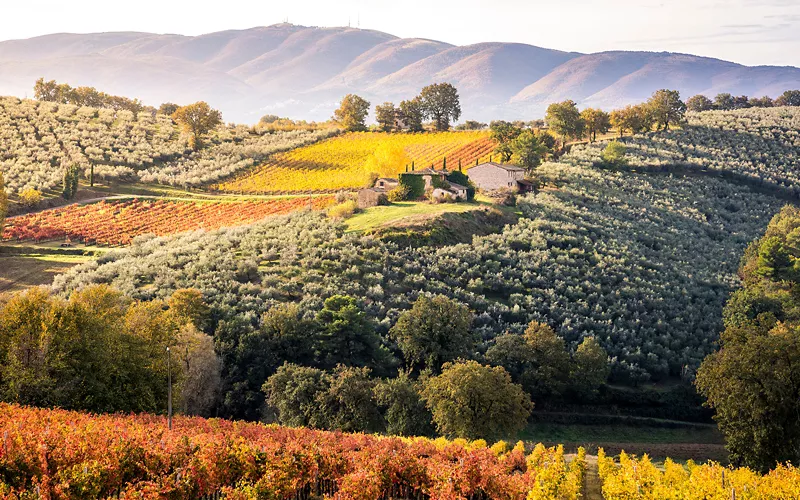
(374, 217)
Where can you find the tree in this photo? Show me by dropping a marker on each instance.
(46, 90)
(201, 384)
(440, 102)
(788, 98)
(723, 101)
(752, 384)
(348, 404)
(434, 331)
(699, 103)
(667, 107)
(3, 202)
(293, 393)
(614, 154)
(352, 113)
(168, 108)
(590, 368)
(188, 306)
(386, 116)
(411, 115)
(741, 102)
(404, 410)
(348, 337)
(197, 120)
(471, 125)
(594, 121)
(564, 119)
(538, 360)
(528, 149)
(504, 133)
(469, 400)
(69, 184)
(761, 102)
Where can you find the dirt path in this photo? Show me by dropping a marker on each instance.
(592, 485)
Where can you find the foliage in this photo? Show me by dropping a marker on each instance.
(411, 115)
(471, 125)
(473, 401)
(3, 202)
(168, 108)
(614, 154)
(440, 102)
(633, 119)
(752, 381)
(564, 119)
(346, 161)
(69, 185)
(343, 210)
(62, 93)
(638, 478)
(667, 107)
(119, 222)
(461, 178)
(347, 335)
(414, 185)
(529, 149)
(100, 351)
(434, 331)
(590, 368)
(386, 116)
(39, 139)
(699, 103)
(759, 146)
(352, 113)
(788, 98)
(135, 456)
(594, 121)
(405, 412)
(197, 119)
(401, 193)
(30, 197)
(504, 134)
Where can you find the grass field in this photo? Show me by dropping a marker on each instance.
(346, 161)
(19, 272)
(375, 217)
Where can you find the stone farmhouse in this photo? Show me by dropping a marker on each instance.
(370, 197)
(492, 176)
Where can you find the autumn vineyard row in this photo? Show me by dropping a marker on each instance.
(118, 222)
(346, 161)
(55, 454)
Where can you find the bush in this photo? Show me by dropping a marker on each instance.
(30, 197)
(343, 210)
(400, 193)
(614, 154)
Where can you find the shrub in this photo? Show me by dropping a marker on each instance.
(30, 197)
(614, 154)
(343, 210)
(400, 193)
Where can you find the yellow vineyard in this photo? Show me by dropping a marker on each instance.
(639, 479)
(348, 161)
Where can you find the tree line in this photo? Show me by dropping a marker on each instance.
(438, 102)
(727, 102)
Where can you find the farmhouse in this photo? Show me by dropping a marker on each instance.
(492, 176)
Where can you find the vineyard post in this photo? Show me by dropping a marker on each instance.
(169, 391)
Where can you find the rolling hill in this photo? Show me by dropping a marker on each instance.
(303, 71)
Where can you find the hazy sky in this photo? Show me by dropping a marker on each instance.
(747, 31)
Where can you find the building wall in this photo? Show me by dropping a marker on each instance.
(490, 177)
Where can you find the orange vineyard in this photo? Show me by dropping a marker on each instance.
(347, 161)
(61, 454)
(118, 222)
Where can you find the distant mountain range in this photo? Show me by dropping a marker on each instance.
(302, 72)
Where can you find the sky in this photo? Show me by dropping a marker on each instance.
(752, 32)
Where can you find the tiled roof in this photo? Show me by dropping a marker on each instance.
(504, 166)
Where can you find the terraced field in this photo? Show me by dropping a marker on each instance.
(118, 222)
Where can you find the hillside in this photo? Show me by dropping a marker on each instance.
(302, 71)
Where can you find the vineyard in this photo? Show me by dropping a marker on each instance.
(118, 222)
(39, 139)
(760, 145)
(346, 162)
(61, 454)
(635, 479)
